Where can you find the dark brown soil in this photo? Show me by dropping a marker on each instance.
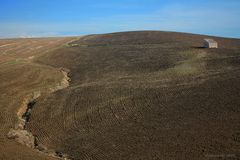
(143, 96)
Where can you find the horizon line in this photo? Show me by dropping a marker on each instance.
(125, 31)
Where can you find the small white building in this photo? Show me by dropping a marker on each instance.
(74, 45)
(210, 43)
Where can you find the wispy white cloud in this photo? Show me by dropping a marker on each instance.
(210, 18)
(215, 20)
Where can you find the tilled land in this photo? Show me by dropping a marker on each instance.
(20, 79)
(143, 95)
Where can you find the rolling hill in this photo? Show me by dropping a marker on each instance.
(131, 95)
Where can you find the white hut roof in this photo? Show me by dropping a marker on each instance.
(210, 40)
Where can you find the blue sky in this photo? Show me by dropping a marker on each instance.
(40, 18)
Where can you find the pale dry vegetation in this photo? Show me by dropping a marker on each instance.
(20, 78)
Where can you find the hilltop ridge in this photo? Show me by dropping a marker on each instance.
(132, 95)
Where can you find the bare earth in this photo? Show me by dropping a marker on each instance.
(132, 96)
(20, 79)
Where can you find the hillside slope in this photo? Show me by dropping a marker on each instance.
(143, 95)
(20, 79)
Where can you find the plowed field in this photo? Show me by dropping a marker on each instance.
(143, 95)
